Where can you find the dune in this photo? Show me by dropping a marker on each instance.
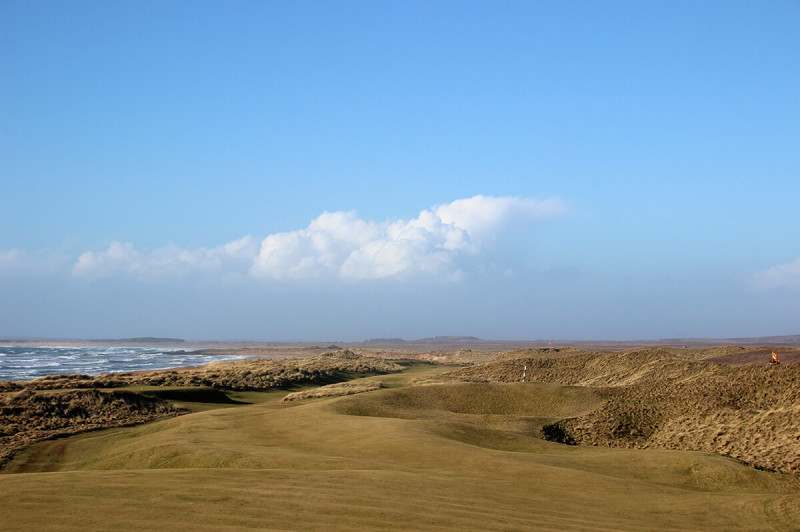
(657, 397)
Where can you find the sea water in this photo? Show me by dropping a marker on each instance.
(21, 363)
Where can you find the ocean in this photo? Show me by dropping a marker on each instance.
(21, 363)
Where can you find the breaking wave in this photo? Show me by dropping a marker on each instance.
(25, 363)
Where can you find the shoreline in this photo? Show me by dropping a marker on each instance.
(31, 362)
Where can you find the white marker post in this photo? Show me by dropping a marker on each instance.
(524, 372)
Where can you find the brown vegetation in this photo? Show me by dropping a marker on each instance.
(333, 390)
(670, 399)
(26, 416)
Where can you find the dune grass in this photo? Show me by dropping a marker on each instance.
(26, 416)
(463, 456)
(333, 390)
(670, 398)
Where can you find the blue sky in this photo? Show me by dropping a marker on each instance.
(348, 170)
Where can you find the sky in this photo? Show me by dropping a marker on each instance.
(308, 171)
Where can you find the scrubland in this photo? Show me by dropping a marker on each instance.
(434, 447)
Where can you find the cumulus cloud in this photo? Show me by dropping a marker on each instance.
(319, 248)
(482, 216)
(780, 276)
(424, 245)
(341, 245)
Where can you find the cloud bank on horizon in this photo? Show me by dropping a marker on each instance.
(341, 245)
(786, 276)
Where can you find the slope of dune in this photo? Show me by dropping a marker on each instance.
(673, 399)
(26, 417)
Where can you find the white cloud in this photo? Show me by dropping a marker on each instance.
(481, 216)
(316, 250)
(341, 245)
(780, 276)
(423, 245)
(338, 245)
(170, 259)
(117, 256)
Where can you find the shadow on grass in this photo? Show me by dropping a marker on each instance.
(195, 395)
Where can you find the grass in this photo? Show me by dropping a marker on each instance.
(334, 390)
(201, 399)
(657, 397)
(438, 457)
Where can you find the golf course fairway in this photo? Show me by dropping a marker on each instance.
(464, 456)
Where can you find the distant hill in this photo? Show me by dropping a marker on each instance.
(431, 340)
(447, 340)
(142, 340)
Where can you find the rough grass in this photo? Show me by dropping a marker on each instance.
(669, 398)
(26, 417)
(585, 368)
(749, 413)
(333, 390)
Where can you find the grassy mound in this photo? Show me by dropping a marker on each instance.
(26, 416)
(333, 390)
(750, 413)
(672, 399)
(585, 368)
(417, 402)
(496, 416)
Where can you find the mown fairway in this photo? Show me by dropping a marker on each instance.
(449, 456)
